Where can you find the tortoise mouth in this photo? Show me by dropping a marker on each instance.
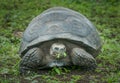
(59, 55)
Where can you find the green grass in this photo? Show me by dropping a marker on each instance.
(15, 15)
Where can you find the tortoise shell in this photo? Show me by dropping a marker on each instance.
(60, 23)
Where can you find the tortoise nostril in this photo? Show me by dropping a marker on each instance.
(61, 49)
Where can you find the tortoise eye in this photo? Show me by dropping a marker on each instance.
(56, 48)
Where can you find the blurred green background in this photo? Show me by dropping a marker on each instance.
(15, 15)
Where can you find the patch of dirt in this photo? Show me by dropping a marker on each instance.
(86, 76)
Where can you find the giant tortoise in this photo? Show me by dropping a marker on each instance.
(59, 37)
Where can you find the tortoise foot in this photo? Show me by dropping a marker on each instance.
(81, 58)
(31, 61)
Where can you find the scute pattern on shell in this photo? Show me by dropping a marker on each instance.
(61, 23)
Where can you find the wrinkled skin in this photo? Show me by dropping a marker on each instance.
(56, 53)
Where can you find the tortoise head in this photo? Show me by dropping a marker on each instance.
(58, 50)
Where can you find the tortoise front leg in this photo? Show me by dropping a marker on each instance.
(31, 60)
(82, 58)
